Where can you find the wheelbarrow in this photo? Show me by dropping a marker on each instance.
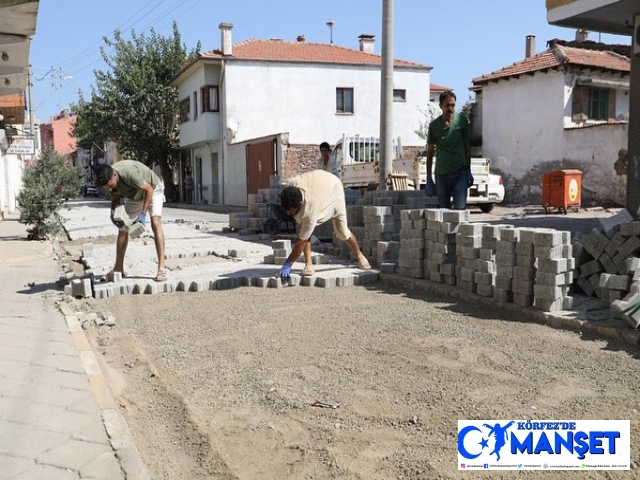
(278, 218)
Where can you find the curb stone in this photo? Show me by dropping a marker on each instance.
(114, 423)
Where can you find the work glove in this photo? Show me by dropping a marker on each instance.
(430, 187)
(285, 271)
(470, 179)
(117, 223)
(142, 218)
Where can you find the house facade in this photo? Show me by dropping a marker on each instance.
(564, 108)
(17, 27)
(257, 110)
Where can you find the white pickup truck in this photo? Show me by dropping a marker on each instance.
(357, 160)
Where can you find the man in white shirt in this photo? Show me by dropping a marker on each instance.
(314, 198)
(327, 163)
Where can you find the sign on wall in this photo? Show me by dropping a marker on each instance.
(21, 146)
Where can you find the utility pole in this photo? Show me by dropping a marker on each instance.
(386, 96)
(32, 121)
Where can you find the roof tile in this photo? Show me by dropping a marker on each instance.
(304, 52)
(555, 57)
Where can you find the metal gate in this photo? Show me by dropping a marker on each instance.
(260, 165)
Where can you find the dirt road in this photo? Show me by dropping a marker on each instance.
(218, 385)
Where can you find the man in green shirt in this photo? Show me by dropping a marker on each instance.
(143, 191)
(449, 138)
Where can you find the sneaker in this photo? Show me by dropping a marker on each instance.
(363, 263)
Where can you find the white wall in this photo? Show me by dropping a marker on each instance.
(594, 150)
(3, 186)
(11, 177)
(236, 175)
(207, 124)
(522, 121)
(301, 99)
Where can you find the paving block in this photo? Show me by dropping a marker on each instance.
(522, 299)
(484, 290)
(614, 244)
(237, 253)
(548, 304)
(551, 279)
(87, 250)
(607, 224)
(81, 288)
(181, 287)
(590, 268)
(556, 265)
(607, 264)
(595, 243)
(631, 246)
(281, 244)
(629, 229)
(345, 281)
(151, 288)
(388, 267)
(503, 296)
(136, 230)
(467, 286)
(586, 286)
(522, 287)
(326, 282)
(367, 278)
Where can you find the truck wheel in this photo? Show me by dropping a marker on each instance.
(486, 207)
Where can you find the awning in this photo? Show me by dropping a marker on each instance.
(17, 26)
(607, 16)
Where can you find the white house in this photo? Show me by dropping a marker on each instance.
(260, 108)
(564, 108)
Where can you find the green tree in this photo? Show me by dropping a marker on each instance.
(46, 184)
(132, 103)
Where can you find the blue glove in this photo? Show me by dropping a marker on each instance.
(142, 218)
(285, 271)
(469, 179)
(117, 223)
(430, 187)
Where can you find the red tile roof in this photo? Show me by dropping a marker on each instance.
(557, 56)
(304, 52)
(439, 88)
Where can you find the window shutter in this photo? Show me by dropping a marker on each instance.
(579, 104)
(612, 104)
(205, 99)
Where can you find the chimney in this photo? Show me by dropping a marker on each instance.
(582, 35)
(301, 39)
(366, 42)
(530, 49)
(225, 42)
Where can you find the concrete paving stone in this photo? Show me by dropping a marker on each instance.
(86, 404)
(610, 222)
(151, 289)
(67, 363)
(45, 394)
(484, 290)
(586, 286)
(503, 296)
(523, 299)
(20, 440)
(73, 454)
(12, 466)
(325, 282)
(67, 379)
(104, 467)
(46, 471)
(607, 264)
(629, 229)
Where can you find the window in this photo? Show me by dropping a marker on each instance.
(344, 100)
(399, 95)
(195, 105)
(185, 110)
(598, 104)
(210, 101)
(591, 103)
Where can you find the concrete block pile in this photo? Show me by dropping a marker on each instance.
(554, 270)
(608, 258)
(440, 243)
(412, 241)
(468, 249)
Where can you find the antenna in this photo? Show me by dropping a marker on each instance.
(330, 24)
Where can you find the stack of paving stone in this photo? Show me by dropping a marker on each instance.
(412, 242)
(506, 256)
(440, 243)
(468, 247)
(607, 258)
(523, 276)
(379, 227)
(554, 272)
(281, 251)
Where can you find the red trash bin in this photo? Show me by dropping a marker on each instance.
(562, 189)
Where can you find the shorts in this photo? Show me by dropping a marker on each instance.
(134, 207)
(339, 219)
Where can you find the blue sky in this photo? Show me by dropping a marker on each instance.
(461, 40)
